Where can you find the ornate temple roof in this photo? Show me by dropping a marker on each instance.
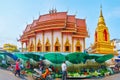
(57, 20)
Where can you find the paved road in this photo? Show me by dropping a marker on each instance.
(7, 75)
(112, 77)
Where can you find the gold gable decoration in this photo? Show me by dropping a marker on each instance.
(67, 45)
(57, 45)
(78, 46)
(39, 46)
(31, 47)
(47, 45)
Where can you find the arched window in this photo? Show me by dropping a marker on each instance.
(57, 45)
(67, 46)
(47, 46)
(105, 35)
(95, 36)
(31, 47)
(78, 46)
(39, 46)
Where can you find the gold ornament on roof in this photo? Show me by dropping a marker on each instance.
(57, 42)
(31, 46)
(78, 46)
(52, 11)
(67, 42)
(39, 43)
(101, 18)
(47, 42)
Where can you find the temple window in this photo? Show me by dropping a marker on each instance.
(39, 46)
(105, 35)
(78, 46)
(96, 36)
(67, 46)
(47, 46)
(31, 47)
(56, 48)
(57, 45)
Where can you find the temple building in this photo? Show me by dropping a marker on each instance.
(55, 32)
(102, 43)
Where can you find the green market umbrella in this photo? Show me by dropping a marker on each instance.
(76, 57)
(92, 56)
(56, 58)
(34, 56)
(22, 56)
(104, 58)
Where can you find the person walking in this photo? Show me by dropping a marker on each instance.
(64, 71)
(17, 67)
(41, 66)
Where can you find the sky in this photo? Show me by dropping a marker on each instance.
(16, 14)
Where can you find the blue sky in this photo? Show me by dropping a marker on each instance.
(16, 14)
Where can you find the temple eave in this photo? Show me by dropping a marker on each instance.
(78, 36)
(68, 31)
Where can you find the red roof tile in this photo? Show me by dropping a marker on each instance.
(81, 22)
(71, 18)
(58, 15)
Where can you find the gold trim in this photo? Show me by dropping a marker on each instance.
(52, 40)
(67, 44)
(84, 44)
(57, 44)
(62, 40)
(43, 41)
(31, 46)
(72, 44)
(47, 46)
(78, 45)
(35, 45)
(22, 46)
(39, 45)
(26, 46)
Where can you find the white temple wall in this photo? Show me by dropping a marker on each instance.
(32, 39)
(65, 36)
(48, 34)
(57, 34)
(81, 42)
(39, 37)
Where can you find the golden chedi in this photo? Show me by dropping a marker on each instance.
(102, 44)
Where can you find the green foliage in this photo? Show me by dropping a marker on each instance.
(89, 64)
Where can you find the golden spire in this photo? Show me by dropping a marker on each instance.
(101, 18)
(101, 15)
